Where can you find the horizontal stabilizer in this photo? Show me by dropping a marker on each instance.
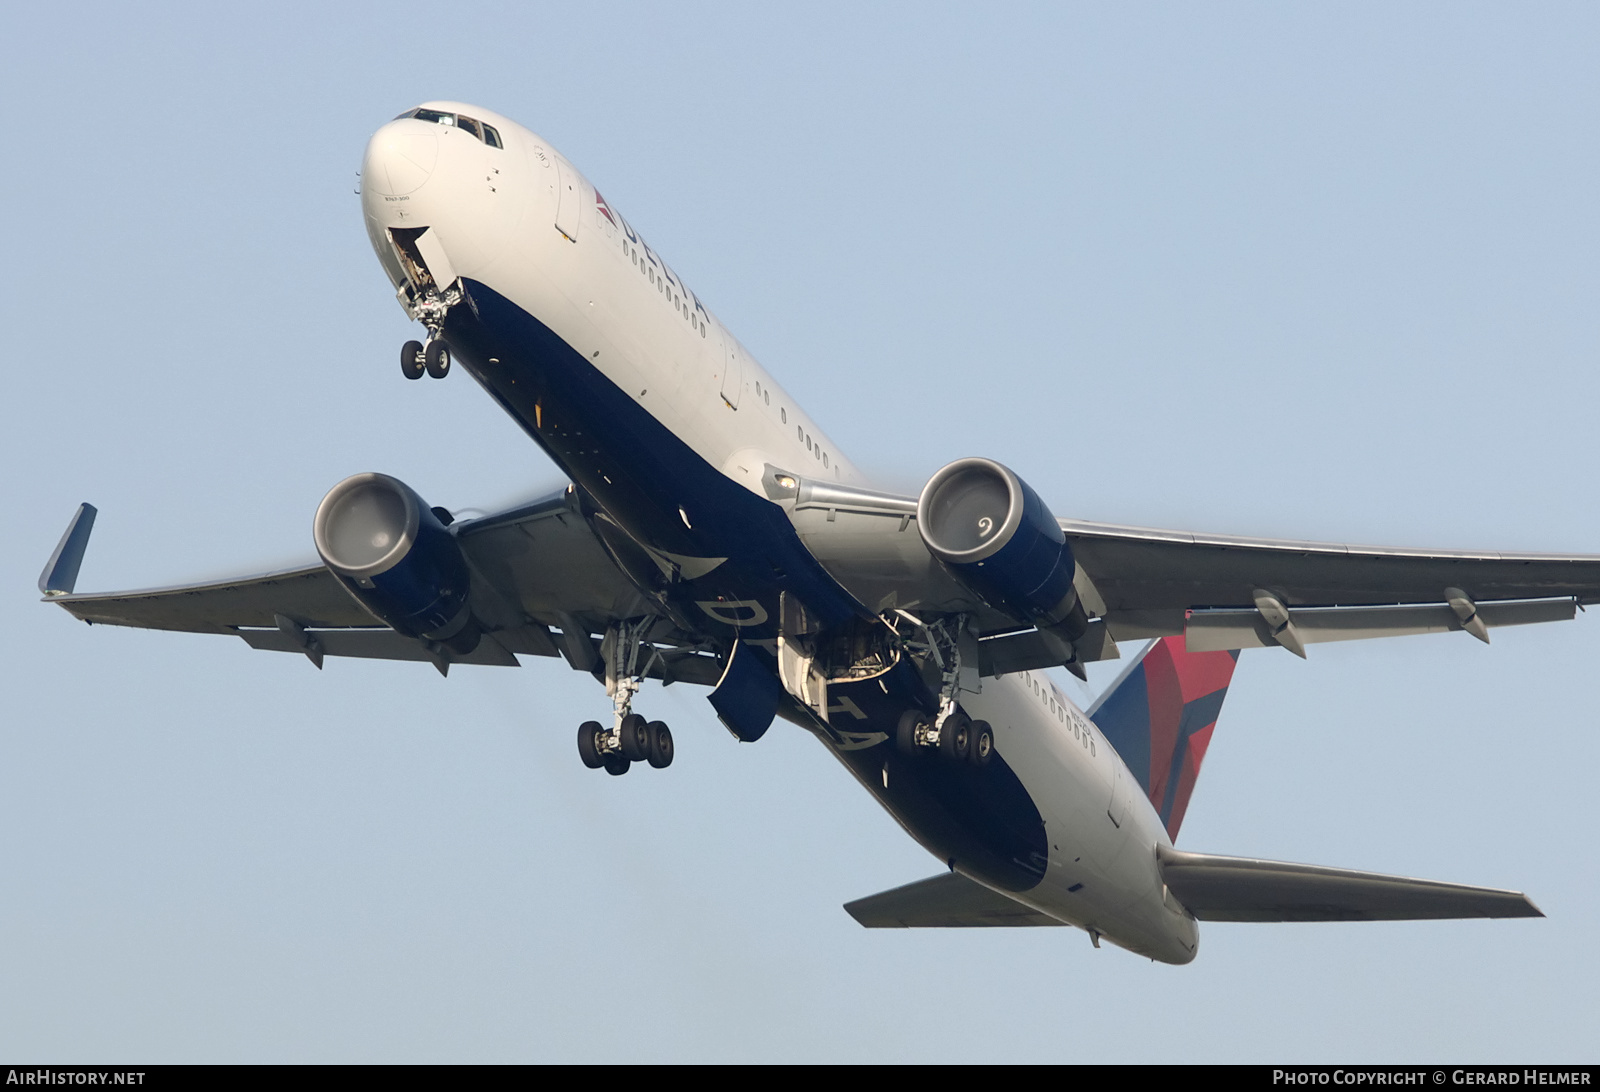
(946, 901)
(1245, 889)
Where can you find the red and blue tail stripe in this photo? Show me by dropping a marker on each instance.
(1160, 714)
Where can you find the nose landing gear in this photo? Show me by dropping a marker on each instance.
(433, 358)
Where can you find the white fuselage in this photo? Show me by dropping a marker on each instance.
(521, 220)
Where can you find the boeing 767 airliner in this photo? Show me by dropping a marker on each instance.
(713, 534)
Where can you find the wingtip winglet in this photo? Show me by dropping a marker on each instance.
(60, 574)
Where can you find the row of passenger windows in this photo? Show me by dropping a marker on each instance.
(486, 133)
(1079, 732)
(765, 394)
(647, 269)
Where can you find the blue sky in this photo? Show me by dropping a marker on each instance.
(1321, 271)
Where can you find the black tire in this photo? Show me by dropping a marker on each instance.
(589, 744)
(660, 745)
(980, 746)
(616, 765)
(955, 735)
(635, 738)
(411, 365)
(436, 358)
(905, 733)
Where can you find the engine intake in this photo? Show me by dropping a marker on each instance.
(394, 555)
(1000, 540)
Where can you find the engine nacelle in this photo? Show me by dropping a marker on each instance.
(394, 555)
(1000, 540)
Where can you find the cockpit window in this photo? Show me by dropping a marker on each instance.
(486, 133)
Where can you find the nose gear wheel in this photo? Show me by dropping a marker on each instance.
(436, 358)
(412, 364)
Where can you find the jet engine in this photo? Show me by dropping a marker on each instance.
(1000, 540)
(391, 552)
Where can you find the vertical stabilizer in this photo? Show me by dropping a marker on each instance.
(1160, 714)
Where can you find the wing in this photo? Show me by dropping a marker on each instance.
(946, 901)
(1230, 592)
(1244, 889)
(534, 567)
(1221, 591)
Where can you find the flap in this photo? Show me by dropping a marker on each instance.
(1212, 630)
(1215, 888)
(946, 901)
(375, 644)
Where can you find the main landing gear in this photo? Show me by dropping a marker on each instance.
(432, 358)
(954, 737)
(631, 738)
(634, 740)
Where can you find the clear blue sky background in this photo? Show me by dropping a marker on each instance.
(1304, 270)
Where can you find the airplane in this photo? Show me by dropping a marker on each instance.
(712, 534)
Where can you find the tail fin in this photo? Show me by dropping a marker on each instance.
(1159, 715)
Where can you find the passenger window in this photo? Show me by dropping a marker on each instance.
(783, 415)
(491, 137)
(824, 459)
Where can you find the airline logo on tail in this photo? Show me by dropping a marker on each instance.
(1160, 714)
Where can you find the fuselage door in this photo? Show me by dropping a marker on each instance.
(569, 199)
(1116, 809)
(732, 369)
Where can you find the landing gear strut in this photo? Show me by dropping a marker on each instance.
(954, 735)
(631, 738)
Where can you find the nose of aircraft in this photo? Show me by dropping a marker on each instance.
(400, 157)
